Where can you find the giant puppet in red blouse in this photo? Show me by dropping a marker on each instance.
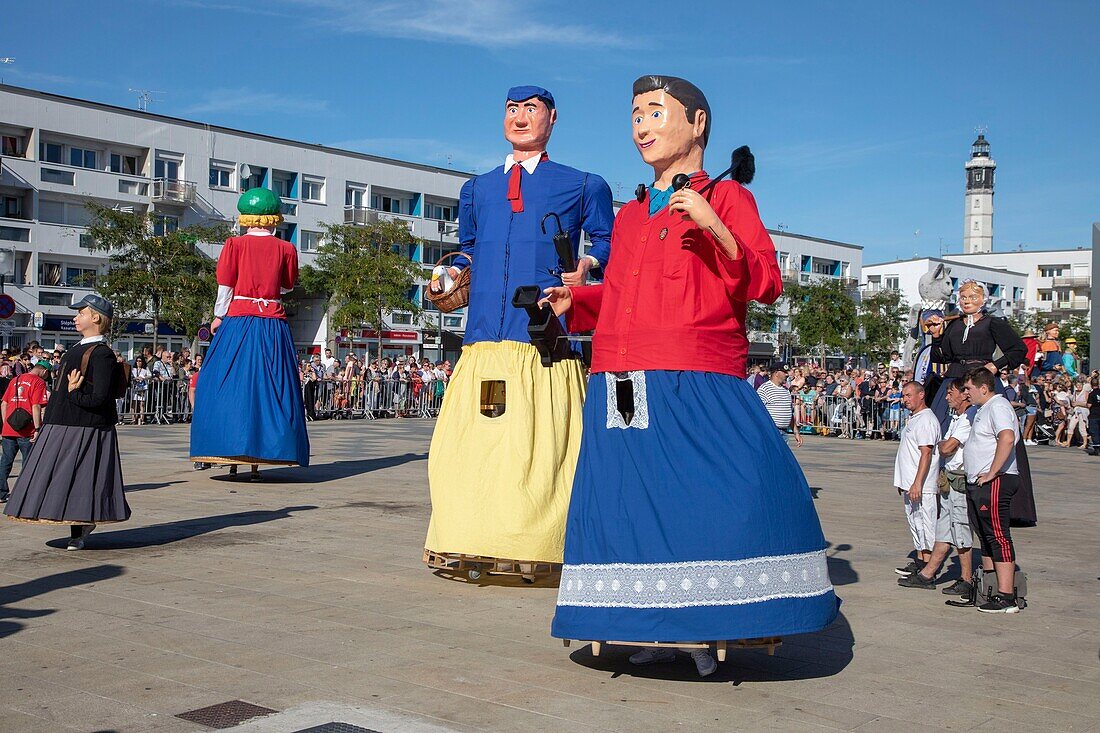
(690, 519)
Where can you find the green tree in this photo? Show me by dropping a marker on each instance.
(1077, 327)
(823, 314)
(882, 316)
(164, 277)
(760, 317)
(362, 272)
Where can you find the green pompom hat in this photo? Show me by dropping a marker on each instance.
(259, 202)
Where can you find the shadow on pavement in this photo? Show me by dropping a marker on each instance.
(156, 535)
(320, 473)
(149, 487)
(39, 586)
(800, 657)
(841, 571)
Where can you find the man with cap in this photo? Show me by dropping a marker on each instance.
(73, 475)
(505, 446)
(21, 414)
(777, 400)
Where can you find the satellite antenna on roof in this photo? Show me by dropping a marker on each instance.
(6, 60)
(145, 96)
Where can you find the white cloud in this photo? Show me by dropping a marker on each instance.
(245, 101)
(484, 23)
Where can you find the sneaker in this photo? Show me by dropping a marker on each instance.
(998, 603)
(909, 569)
(916, 580)
(653, 655)
(3, 498)
(704, 662)
(958, 588)
(1030, 442)
(76, 543)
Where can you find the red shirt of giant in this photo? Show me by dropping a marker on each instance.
(671, 299)
(259, 268)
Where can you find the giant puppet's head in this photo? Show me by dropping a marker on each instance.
(972, 297)
(529, 117)
(260, 207)
(670, 119)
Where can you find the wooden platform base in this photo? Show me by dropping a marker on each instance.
(475, 566)
(239, 461)
(720, 647)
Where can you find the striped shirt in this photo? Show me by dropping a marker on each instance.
(777, 400)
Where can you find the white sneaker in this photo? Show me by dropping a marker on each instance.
(653, 655)
(704, 662)
(1030, 442)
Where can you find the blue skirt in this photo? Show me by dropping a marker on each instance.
(692, 523)
(248, 400)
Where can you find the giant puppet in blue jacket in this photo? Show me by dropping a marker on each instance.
(506, 443)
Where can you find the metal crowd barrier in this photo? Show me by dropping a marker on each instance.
(370, 399)
(849, 417)
(163, 402)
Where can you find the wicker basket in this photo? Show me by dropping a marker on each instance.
(459, 293)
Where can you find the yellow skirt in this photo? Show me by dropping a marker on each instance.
(503, 455)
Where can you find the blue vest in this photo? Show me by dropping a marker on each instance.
(509, 249)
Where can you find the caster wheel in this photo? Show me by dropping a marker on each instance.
(232, 470)
(473, 574)
(529, 579)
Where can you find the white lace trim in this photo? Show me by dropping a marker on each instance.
(703, 583)
(641, 404)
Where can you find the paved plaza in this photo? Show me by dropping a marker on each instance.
(306, 596)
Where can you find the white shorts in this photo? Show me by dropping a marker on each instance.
(922, 518)
(953, 523)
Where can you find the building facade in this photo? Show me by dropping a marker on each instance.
(59, 152)
(978, 214)
(1059, 281)
(1005, 288)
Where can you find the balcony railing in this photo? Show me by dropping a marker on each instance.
(363, 215)
(789, 274)
(1073, 304)
(1078, 281)
(168, 190)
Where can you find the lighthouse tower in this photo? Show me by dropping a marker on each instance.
(978, 217)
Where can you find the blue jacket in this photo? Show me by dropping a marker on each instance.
(509, 249)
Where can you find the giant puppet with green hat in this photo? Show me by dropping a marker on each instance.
(248, 399)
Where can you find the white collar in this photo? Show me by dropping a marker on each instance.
(529, 165)
(259, 232)
(93, 339)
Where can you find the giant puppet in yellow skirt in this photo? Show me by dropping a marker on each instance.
(509, 431)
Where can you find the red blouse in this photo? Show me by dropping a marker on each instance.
(257, 267)
(671, 299)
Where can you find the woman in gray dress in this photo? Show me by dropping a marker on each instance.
(74, 474)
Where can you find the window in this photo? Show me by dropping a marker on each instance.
(221, 175)
(313, 189)
(80, 277)
(452, 321)
(823, 268)
(125, 164)
(1046, 295)
(978, 176)
(977, 203)
(282, 183)
(82, 158)
(254, 179)
(49, 274)
(976, 225)
(51, 298)
(442, 212)
(286, 232)
(354, 195)
(1051, 270)
(164, 224)
(167, 168)
(385, 203)
(311, 241)
(50, 152)
(13, 146)
(891, 282)
(11, 207)
(15, 234)
(134, 188)
(401, 319)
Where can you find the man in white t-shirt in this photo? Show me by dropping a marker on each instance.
(915, 474)
(896, 362)
(329, 363)
(992, 479)
(952, 520)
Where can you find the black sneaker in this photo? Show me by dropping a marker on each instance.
(916, 580)
(998, 603)
(958, 588)
(909, 569)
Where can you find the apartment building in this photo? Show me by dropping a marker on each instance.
(59, 152)
(1006, 289)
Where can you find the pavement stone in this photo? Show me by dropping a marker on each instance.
(307, 594)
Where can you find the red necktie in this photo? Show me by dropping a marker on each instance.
(514, 194)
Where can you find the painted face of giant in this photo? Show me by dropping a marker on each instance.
(971, 299)
(528, 124)
(662, 130)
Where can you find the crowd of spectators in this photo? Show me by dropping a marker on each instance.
(397, 386)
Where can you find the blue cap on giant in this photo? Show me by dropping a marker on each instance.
(522, 94)
(96, 303)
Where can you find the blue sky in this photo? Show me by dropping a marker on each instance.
(860, 113)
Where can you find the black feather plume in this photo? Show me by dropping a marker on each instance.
(743, 165)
